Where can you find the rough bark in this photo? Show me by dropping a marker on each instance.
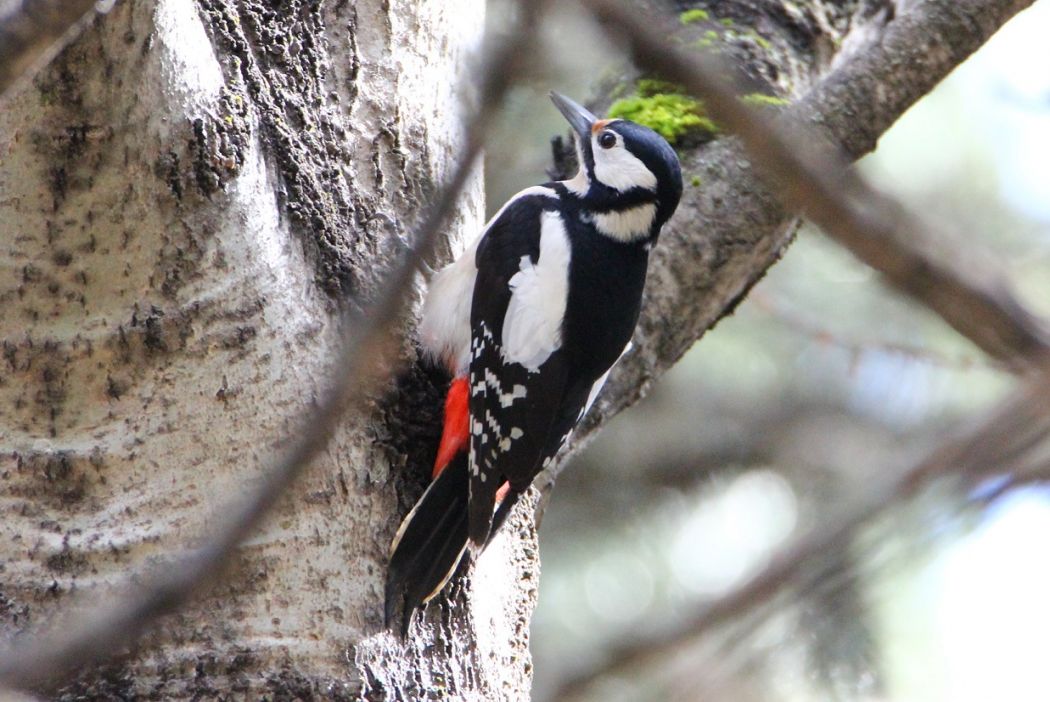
(188, 195)
(850, 70)
(30, 31)
(190, 192)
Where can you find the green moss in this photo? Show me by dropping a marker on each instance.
(670, 114)
(695, 181)
(760, 40)
(648, 87)
(707, 41)
(763, 100)
(691, 16)
(726, 22)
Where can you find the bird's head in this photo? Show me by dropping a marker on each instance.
(624, 166)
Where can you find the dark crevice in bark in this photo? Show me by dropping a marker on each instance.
(409, 429)
(277, 60)
(206, 677)
(276, 54)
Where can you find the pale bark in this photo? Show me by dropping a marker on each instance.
(31, 33)
(186, 196)
(188, 193)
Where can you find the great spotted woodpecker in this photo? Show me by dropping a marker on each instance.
(529, 321)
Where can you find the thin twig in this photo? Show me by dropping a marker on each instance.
(804, 326)
(883, 235)
(973, 298)
(852, 104)
(359, 368)
(1006, 442)
(32, 32)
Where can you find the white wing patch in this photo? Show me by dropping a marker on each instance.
(539, 293)
(444, 328)
(626, 225)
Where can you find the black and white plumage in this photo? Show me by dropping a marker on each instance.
(535, 314)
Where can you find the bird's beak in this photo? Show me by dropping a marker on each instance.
(578, 116)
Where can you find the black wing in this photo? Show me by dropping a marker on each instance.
(512, 410)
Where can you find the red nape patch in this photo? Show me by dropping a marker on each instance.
(456, 432)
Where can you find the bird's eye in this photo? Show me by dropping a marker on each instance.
(606, 140)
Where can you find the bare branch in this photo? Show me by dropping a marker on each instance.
(881, 233)
(819, 334)
(974, 299)
(360, 366)
(43, 662)
(32, 32)
(924, 41)
(1012, 440)
(730, 229)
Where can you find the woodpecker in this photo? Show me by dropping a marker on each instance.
(529, 321)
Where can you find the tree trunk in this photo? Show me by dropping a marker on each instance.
(188, 196)
(189, 192)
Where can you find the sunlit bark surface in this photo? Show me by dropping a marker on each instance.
(187, 196)
(190, 193)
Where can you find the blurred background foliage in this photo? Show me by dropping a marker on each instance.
(820, 380)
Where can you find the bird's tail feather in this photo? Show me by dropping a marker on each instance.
(429, 544)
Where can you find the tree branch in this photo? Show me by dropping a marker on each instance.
(975, 302)
(974, 299)
(731, 229)
(32, 32)
(1013, 439)
(802, 325)
(43, 662)
(360, 366)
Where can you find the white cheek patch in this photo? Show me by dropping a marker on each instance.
(539, 293)
(620, 169)
(626, 225)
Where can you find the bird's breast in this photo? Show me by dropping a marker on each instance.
(605, 292)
